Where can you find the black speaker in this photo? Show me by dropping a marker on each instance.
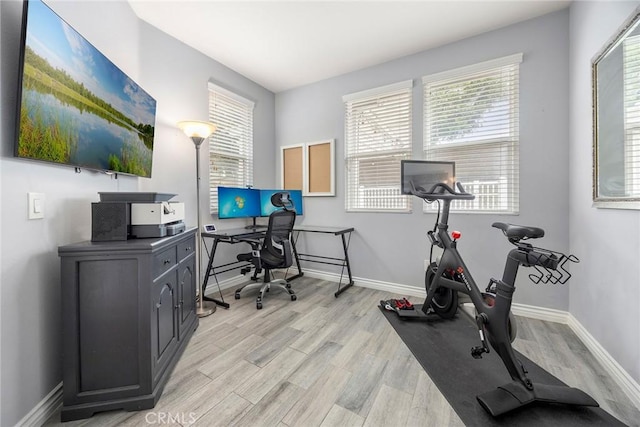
(110, 221)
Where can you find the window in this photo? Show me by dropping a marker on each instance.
(231, 145)
(615, 81)
(377, 137)
(471, 118)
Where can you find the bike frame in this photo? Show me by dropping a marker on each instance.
(494, 318)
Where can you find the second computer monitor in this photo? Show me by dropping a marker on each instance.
(266, 207)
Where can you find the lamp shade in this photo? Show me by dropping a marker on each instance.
(197, 129)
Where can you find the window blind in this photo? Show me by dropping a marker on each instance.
(377, 138)
(231, 145)
(631, 84)
(471, 116)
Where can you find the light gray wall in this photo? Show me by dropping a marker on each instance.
(605, 294)
(391, 247)
(176, 76)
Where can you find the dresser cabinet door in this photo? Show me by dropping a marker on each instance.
(186, 294)
(164, 334)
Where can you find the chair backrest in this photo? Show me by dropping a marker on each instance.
(277, 239)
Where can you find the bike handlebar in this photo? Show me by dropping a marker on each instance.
(439, 191)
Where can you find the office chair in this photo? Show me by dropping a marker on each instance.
(275, 251)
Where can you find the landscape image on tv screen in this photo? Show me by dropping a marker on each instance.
(76, 106)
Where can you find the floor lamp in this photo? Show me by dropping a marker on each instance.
(198, 132)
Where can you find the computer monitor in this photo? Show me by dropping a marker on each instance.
(266, 207)
(235, 202)
(425, 174)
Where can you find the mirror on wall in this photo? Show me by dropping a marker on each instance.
(616, 119)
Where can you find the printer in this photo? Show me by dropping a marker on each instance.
(129, 215)
(157, 219)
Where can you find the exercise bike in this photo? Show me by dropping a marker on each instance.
(448, 275)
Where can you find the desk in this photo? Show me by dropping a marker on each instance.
(233, 235)
(238, 235)
(345, 235)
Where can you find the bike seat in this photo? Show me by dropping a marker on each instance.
(518, 232)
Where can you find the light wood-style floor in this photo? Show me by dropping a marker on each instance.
(326, 361)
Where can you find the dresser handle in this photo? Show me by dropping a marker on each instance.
(167, 261)
(188, 248)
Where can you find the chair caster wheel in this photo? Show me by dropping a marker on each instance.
(259, 305)
(237, 295)
(293, 297)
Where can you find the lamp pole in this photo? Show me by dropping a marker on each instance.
(198, 132)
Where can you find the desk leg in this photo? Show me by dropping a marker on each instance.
(345, 247)
(294, 239)
(208, 273)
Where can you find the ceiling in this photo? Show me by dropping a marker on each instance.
(285, 44)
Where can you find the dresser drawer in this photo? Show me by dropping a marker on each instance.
(163, 261)
(186, 248)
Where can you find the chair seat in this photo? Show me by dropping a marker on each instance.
(267, 259)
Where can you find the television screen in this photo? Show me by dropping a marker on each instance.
(75, 106)
(425, 174)
(267, 207)
(238, 202)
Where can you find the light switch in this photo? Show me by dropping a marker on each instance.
(36, 206)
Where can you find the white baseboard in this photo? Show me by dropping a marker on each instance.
(43, 410)
(367, 283)
(212, 287)
(629, 386)
(540, 313)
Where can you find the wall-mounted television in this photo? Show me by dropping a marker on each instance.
(236, 202)
(75, 107)
(266, 207)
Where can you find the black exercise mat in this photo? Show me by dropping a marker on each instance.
(443, 348)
